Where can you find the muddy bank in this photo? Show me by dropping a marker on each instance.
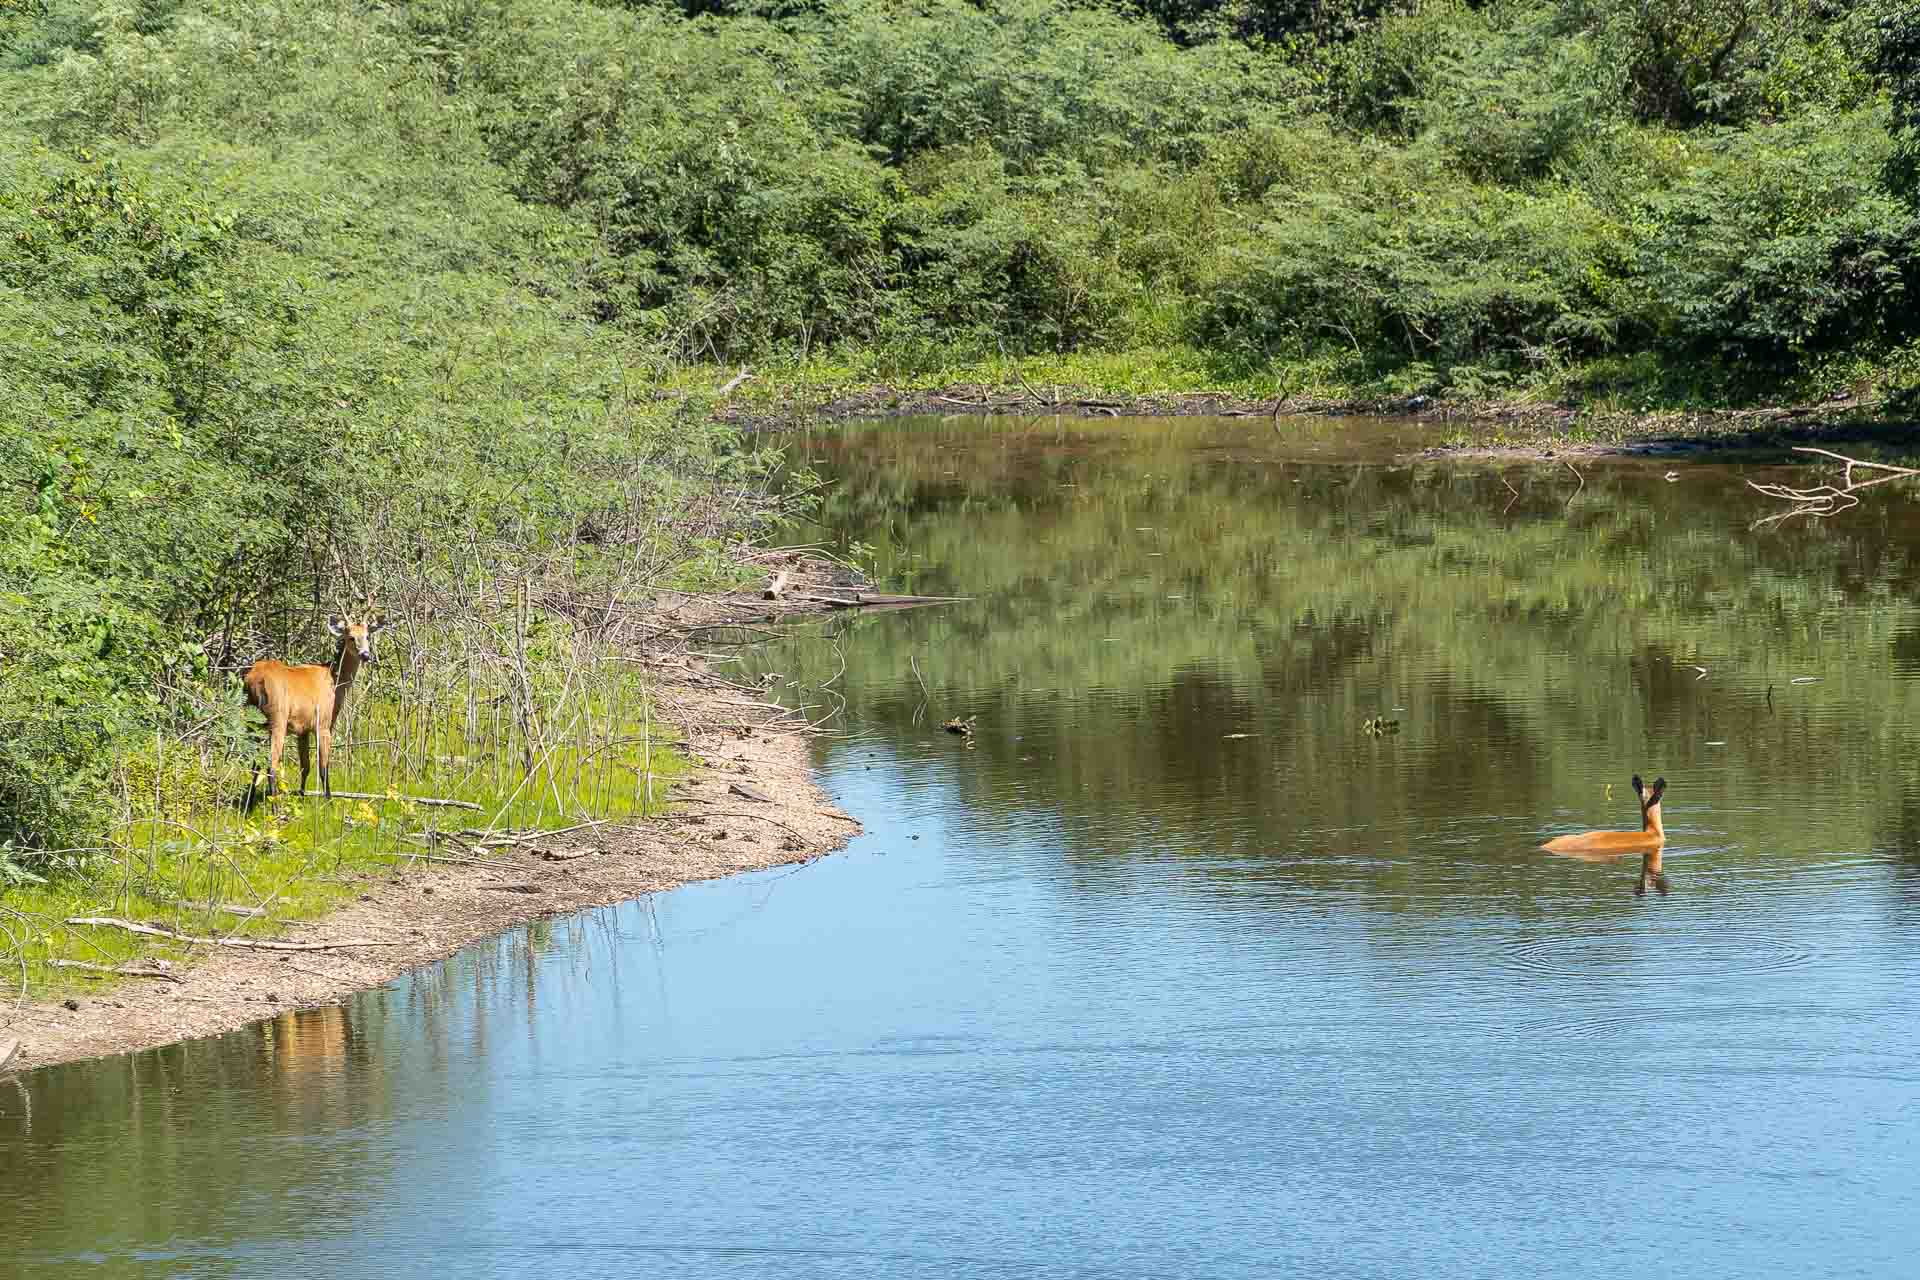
(1481, 428)
(744, 748)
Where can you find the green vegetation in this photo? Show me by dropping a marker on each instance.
(279, 340)
(1695, 202)
(311, 302)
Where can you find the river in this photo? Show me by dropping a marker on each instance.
(1221, 946)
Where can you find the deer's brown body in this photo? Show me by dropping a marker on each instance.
(305, 700)
(1651, 836)
(1648, 842)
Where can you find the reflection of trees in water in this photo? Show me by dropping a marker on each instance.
(155, 1129)
(1187, 586)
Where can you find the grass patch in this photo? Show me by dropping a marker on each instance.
(564, 739)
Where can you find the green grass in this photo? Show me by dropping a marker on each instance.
(185, 846)
(1614, 389)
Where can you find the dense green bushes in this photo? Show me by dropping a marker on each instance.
(1428, 184)
(1407, 263)
(1780, 243)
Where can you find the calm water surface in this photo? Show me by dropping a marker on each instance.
(1170, 969)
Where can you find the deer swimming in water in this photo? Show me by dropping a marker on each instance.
(1650, 841)
(1652, 835)
(306, 700)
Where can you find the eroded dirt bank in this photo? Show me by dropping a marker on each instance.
(743, 748)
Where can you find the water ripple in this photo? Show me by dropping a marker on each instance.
(1614, 957)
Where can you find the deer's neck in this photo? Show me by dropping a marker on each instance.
(346, 665)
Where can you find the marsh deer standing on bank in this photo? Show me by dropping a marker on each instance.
(306, 700)
(1649, 841)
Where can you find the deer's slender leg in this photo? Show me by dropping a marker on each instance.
(325, 733)
(275, 745)
(305, 742)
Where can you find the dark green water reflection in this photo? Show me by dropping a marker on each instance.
(1170, 969)
(1181, 627)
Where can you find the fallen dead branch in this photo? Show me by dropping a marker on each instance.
(369, 795)
(741, 813)
(1577, 476)
(876, 600)
(410, 855)
(1827, 499)
(505, 839)
(125, 971)
(152, 931)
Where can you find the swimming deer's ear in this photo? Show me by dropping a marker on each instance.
(1638, 786)
(336, 624)
(1659, 789)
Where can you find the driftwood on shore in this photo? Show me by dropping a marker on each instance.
(122, 970)
(153, 931)
(9, 1050)
(872, 600)
(370, 795)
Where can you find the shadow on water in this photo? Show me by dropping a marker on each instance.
(1172, 966)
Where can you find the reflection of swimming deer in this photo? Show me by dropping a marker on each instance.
(1603, 846)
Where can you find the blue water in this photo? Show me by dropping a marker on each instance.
(1104, 991)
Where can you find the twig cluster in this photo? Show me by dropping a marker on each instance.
(1828, 499)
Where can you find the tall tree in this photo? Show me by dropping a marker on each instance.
(1898, 60)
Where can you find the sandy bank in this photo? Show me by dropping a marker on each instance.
(430, 910)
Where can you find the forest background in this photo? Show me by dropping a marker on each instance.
(317, 301)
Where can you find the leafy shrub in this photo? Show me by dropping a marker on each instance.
(1896, 56)
(1691, 62)
(1037, 81)
(1509, 104)
(1780, 243)
(1403, 262)
(984, 259)
(1374, 81)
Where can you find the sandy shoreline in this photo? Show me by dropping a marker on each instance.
(430, 910)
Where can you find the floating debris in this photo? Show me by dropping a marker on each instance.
(1379, 726)
(962, 727)
(1805, 680)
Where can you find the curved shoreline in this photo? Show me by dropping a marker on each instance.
(428, 911)
(1487, 428)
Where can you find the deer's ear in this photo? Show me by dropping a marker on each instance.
(1638, 786)
(336, 625)
(375, 627)
(1659, 789)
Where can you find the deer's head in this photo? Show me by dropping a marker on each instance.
(357, 636)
